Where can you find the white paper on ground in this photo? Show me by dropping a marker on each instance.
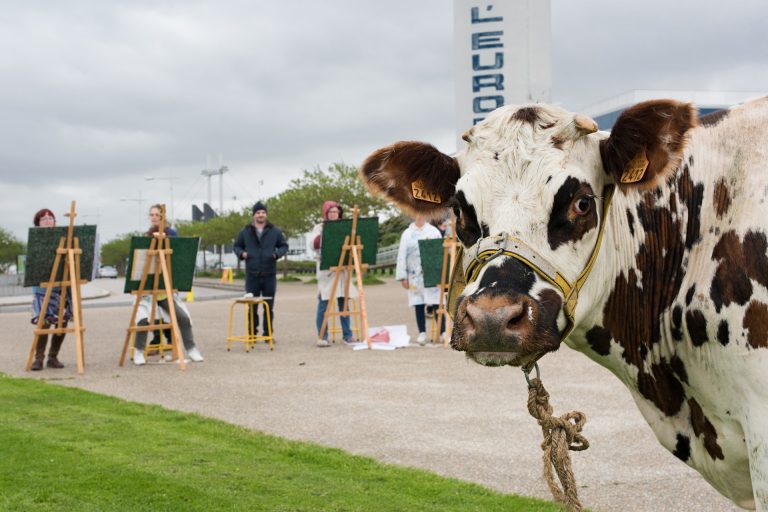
(374, 346)
(398, 338)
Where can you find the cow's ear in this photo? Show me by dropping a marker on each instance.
(415, 176)
(647, 142)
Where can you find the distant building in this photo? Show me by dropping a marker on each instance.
(502, 56)
(606, 112)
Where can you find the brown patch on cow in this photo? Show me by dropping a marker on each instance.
(527, 115)
(599, 338)
(756, 323)
(689, 295)
(722, 198)
(679, 368)
(702, 427)
(755, 258)
(677, 323)
(640, 301)
(391, 170)
(714, 118)
(723, 334)
(697, 327)
(731, 283)
(631, 222)
(660, 129)
(682, 447)
(662, 388)
(556, 141)
(564, 224)
(691, 196)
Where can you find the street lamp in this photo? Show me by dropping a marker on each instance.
(170, 181)
(140, 201)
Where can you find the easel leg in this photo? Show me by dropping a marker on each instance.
(361, 293)
(176, 335)
(76, 315)
(334, 285)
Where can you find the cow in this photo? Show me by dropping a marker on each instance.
(644, 248)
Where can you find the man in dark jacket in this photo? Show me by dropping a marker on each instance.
(261, 244)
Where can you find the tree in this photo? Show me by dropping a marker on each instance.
(391, 229)
(10, 248)
(115, 252)
(298, 208)
(217, 231)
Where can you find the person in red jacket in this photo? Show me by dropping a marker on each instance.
(331, 211)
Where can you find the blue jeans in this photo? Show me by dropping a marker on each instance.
(421, 321)
(322, 305)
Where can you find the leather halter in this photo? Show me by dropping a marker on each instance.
(469, 263)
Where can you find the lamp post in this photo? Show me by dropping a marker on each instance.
(213, 172)
(140, 201)
(170, 180)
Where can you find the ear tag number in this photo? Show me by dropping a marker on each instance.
(421, 193)
(635, 169)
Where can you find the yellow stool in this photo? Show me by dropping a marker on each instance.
(250, 338)
(160, 349)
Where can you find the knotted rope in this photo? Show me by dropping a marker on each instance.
(560, 435)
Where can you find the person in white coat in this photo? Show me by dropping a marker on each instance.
(410, 274)
(183, 318)
(331, 211)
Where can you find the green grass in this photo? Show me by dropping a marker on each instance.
(289, 279)
(68, 449)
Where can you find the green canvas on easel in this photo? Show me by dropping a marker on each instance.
(41, 252)
(334, 232)
(431, 255)
(182, 263)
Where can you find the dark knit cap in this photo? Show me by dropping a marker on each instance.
(258, 206)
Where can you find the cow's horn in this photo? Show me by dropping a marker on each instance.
(584, 124)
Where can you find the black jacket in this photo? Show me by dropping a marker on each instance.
(262, 254)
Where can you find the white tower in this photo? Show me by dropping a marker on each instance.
(503, 56)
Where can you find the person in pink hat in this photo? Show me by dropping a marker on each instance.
(331, 211)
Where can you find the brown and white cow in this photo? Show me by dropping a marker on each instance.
(676, 303)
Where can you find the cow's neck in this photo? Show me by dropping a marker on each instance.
(638, 277)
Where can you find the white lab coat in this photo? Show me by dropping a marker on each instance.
(409, 264)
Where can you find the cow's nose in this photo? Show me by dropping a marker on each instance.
(498, 316)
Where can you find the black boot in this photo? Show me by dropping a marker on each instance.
(56, 341)
(37, 364)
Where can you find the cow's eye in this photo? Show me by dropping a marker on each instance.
(582, 205)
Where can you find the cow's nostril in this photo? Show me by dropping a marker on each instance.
(467, 323)
(514, 313)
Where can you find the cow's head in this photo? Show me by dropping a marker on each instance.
(536, 174)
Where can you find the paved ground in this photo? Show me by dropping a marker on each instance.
(425, 407)
(109, 292)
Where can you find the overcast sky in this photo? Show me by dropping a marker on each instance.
(96, 96)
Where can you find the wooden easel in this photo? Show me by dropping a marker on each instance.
(449, 258)
(67, 255)
(351, 265)
(159, 258)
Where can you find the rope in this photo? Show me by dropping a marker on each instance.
(560, 435)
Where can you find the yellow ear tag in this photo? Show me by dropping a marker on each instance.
(421, 193)
(635, 169)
